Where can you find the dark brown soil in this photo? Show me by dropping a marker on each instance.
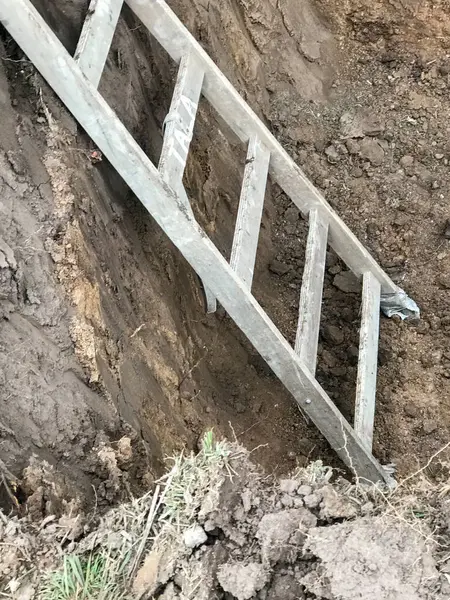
(102, 323)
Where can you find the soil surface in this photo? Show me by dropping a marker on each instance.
(236, 533)
(102, 324)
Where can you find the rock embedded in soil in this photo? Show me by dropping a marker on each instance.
(312, 501)
(444, 281)
(335, 506)
(291, 214)
(194, 536)
(304, 490)
(356, 172)
(407, 161)
(333, 334)
(447, 230)
(328, 359)
(242, 581)
(429, 426)
(332, 155)
(371, 150)
(358, 125)
(347, 282)
(279, 268)
(288, 486)
(352, 146)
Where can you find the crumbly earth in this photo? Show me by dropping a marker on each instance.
(301, 538)
(103, 331)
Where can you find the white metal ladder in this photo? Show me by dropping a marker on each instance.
(160, 189)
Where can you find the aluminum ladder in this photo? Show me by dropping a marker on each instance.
(160, 189)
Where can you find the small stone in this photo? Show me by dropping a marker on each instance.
(278, 267)
(429, 426)
(312, 501)
(423, 174)
(371, 150)
(411, 411)
(352, 146)
(367, 508)
(447, 230)
(356, 172)
(347, 282)
(332, 155)
(353, 351)
(246, 497)
(444, 69)
(333, 334)
(288, 486)
(291, 214)
(194, 536)
(439, 156)
(444, 281)
(435, 322)
(328, 358)
(407, 161)
(287, 500)
(432, 359)
(331, 259)
(334, 270)
(402, 219)
(304, 490)
(338, 371)
(360, 124)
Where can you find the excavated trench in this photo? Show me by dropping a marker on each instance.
(103, 331)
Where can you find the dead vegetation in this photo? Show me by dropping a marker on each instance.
(214, 525)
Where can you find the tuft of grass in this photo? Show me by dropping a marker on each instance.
(315, 473)
(105, 564)
(191, 478)
(100, 575)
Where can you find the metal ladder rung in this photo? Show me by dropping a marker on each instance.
(367, 366)
(96, 37)
(180, 120)
(310, 309)
(248, 222)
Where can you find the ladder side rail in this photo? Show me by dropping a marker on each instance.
(101, 123)
(96, 37)
(176, 39)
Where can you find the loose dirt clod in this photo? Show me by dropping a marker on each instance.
(352, 542)
(242, 581)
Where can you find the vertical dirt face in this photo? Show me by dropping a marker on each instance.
(102, 321)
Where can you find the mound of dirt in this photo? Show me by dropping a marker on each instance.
(300, 538)
(216, 528)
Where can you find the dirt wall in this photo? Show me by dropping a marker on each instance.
(103, 324)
